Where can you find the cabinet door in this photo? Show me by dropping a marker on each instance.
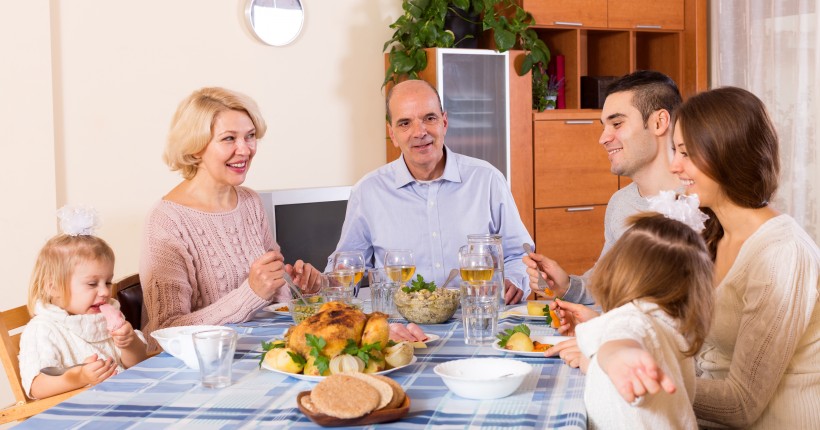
(571, 168)
(586, 13)
(667, 15)
(572, 236)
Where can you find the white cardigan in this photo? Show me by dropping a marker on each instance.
(658, 333)
(760, 365)
(55, 338)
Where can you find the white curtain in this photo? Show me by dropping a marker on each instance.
(769, 47)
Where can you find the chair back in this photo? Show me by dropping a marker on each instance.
(129, 294)
(11, 323)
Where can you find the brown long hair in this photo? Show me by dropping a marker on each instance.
(731, 139)
(662, 261)
(56, 262)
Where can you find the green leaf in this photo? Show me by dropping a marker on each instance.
(547, 314)
(316, 344)
(461, 4)
(322, 364)
(297, 358)
(505, 335)
(418, 284)
(504, 40)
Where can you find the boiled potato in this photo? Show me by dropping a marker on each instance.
(282, 361)
(536, 308)
(520, 342)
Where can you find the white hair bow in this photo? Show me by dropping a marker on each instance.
(679, 207)
(78, 220)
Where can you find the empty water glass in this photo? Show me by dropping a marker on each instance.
(479, 311)
(214, 351)
(382, 289)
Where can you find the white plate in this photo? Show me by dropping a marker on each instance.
(431, 337)
(274, 309)
(319, 378)
(521, 312)
(543, 339)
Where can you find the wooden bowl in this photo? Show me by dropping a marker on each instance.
(375, 417)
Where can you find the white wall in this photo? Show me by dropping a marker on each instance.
(88, 87)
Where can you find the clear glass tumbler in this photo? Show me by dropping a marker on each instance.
(479, 311)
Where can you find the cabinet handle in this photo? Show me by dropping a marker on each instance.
(574, 24)
(656, 27)
(580, 209)
(579, 122)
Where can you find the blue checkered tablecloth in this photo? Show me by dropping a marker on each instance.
(162, 392)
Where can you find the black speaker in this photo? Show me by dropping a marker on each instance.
(593, 90)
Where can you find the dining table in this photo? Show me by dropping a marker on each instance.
(162, 392)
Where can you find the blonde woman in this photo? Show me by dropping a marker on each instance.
(208, 254)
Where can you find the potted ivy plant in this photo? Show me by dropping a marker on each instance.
(423, 26)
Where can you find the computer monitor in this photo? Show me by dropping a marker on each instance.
(306, 222)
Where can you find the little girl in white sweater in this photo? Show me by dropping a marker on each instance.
(71, 281)
(655, 288)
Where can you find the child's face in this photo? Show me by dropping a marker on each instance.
(90, 287)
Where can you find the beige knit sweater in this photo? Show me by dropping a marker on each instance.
(194, 265)
(761, 361)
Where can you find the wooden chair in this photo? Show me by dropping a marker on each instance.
(9, 348)
(128, 291)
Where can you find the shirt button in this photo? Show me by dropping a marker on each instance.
(438, 265)
(431, 203)
(435, 234)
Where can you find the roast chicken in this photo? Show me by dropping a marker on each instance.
(336, 323)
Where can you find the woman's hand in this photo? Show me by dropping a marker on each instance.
(305, 276)
(266, 274)
(541, 267)
(632, 369)
(570, 315)
(569, 352)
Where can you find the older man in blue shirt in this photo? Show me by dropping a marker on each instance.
(431, 198)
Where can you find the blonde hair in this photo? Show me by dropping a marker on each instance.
(662, 261)
(192, 125)
(56, 262)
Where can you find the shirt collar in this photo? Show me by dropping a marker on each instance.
(451, 172)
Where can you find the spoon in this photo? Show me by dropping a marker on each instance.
(57, 371)
(452, 275)
(542, 283)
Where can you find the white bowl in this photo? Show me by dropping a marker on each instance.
(179, 341)
(483, 378)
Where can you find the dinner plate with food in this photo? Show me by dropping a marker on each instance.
(278, 308)
(411, 333)
(519, 341)
(533, 310)
(337, 339)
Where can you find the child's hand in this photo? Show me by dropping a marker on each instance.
(570, 315)
(124, 336)
(569, 352)
(633, 370)
(96, 370)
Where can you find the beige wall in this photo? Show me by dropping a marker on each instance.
(86, 103)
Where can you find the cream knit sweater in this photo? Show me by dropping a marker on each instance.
(194, 265)
(761, 361)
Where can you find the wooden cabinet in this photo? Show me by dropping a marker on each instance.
(646, 14)
(572, 182)
(571, 168)
(572, 187)
(572, 236)
(637, 14)
(586, 13)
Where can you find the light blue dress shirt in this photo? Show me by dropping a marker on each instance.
(389, 209)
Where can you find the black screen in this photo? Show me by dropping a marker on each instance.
(309, 231)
